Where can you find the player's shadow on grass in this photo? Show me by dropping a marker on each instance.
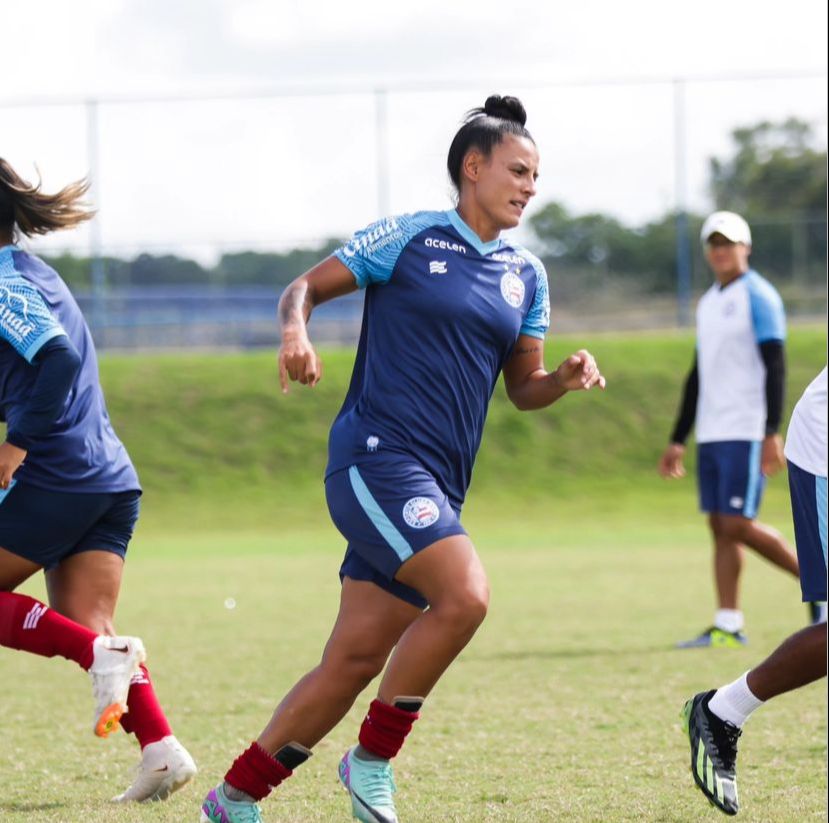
(30, 807)
(566, 654)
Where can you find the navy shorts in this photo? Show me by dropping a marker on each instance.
(47, 526)
(388, 509)
(729, 476)
(809, 515)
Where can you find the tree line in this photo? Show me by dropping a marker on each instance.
(774, 176)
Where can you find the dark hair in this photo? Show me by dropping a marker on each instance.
(484, 128)
(26, 207)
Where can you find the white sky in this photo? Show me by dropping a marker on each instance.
(200, 177)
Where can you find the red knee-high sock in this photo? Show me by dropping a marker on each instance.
(145, 717)
(385, 728)
(31, 626)
(256, 773)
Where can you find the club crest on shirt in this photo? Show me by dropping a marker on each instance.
(420, 512)
(512, 289)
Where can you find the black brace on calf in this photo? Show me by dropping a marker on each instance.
(407, 704)
(292, 755)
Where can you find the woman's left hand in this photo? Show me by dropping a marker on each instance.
(579, 371)
(10, 459)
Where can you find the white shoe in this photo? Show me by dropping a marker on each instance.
(165, 767)
(115, 660)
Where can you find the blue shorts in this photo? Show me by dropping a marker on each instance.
(388, 509)
(729, 476)
(47, 526)
(809, 515)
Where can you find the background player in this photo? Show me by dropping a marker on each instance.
(448, 306)
(713, 719)
(735, 392)
(68, 490)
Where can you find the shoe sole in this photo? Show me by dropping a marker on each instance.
(110, 720)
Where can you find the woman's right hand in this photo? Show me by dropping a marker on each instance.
(670, 464)
(298, 361)
(10, 459)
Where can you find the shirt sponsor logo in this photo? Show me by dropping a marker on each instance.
(420, 512)
(512, 289)
(445, 245)
(503, 257)
(17, 325)
(437, 267)
(380, 235)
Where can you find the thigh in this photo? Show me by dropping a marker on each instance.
(14, 570)
(84, 587)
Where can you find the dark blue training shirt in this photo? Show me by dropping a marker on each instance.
(442, 313)
(82, 452)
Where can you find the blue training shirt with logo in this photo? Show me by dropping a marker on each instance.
(81, 453)
(442, 313)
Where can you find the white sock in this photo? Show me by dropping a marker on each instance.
(734, 702)
(729, 620)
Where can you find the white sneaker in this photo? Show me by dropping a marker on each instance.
(115, 660)
(165, 767)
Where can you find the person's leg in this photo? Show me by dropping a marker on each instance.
(85, 588)
(728, 564)
(28, 625)
(369, 623)
(763, 539)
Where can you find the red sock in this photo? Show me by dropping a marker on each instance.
(145, 717)
(385, 728)
(256, 773)
(29, 625)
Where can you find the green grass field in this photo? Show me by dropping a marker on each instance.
(565, 705)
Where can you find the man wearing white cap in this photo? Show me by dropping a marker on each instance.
(735, 392)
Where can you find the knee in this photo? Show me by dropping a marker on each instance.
(463, 611)
(353, 669)
(99, 622)
(734, 529)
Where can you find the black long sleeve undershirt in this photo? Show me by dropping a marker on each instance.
(57, 364)
(688, 407)
(774, 357)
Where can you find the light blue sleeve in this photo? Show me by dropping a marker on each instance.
(537, 321)
(767, 312)
(25, 320)
(372, 253)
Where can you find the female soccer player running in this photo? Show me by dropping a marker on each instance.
(68, 491)
(449, 305)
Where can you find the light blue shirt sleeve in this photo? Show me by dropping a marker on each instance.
(767, 312)
(372, 253)
(25, 320)
(537, 321)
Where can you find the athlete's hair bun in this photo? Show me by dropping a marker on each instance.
(507, 108)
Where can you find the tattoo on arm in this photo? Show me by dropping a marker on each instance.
(522, 350)
(294, 304)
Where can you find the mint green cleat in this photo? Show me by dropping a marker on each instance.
(371, 785)
(218, 808)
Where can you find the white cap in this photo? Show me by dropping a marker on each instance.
(729, 225)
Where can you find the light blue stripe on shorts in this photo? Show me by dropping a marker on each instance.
(820, 499)
(753, 488)
(378, 517)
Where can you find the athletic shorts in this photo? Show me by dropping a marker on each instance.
(47, 526)
(729, 476)
(809, 515)
(388, 510)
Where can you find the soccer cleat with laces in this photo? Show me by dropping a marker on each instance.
(165, 767)
(218, 808)
(114, 661)
(715, 638)
(713, 752)
(371, 785)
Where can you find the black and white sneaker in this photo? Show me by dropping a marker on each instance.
(713, 752)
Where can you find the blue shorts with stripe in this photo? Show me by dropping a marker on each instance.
(809, 515)
(388, 509)
(729, 477)
(47, 526)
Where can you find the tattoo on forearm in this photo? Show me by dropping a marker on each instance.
(522, 350)
(292, 306)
